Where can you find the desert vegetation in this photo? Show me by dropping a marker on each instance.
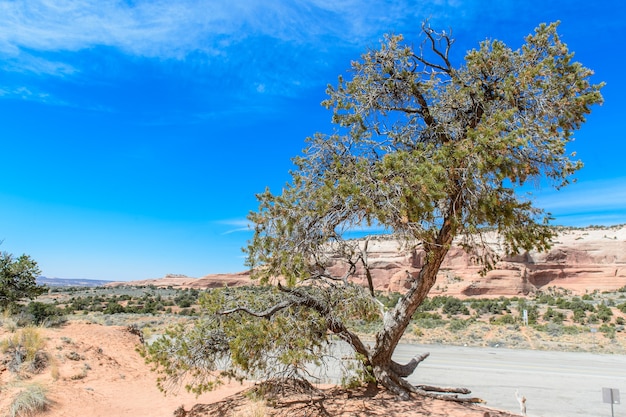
(557, 320)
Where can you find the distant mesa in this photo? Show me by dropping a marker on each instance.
(183, 281)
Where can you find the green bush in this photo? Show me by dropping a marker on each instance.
(579, 316)
(548, 299)
(503, 320)
(45, 313)
(572, 330)
(114, 308)
(453, 306)
(459, 324)
(604, 313)
(554, 316)
(609, 331)
(430, 322)
(490, 306)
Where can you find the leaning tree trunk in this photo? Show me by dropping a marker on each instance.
(387, 372)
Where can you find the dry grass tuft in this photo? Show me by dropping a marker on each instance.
(24, 350)
(31, 400)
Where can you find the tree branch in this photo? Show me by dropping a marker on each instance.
(266, 314)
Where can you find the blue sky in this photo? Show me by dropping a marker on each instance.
(134, 134)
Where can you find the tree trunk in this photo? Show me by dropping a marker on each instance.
(389, 373)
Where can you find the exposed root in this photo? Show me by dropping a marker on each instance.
(409, 368)
(396, 383)
(443, 389)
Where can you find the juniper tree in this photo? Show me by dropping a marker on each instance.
(18, 280)
(429, 151)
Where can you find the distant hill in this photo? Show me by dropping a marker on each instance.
(67, 282)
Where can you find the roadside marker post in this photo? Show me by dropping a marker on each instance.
(611, 396)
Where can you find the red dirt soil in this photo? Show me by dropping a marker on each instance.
(95, 371)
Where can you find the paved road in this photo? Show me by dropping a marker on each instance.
(556, 384)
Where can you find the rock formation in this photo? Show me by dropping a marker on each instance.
(581, 260)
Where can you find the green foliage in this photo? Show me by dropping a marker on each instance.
(18, 280)
(229, 336)
(425, 150)
(579, 316)
(544, 298)
(114, 308)
(454, 306)
(555, 316)
(460, 324)
(604, 313)
(490, 306)
(609, 331)
(45, 313)
(389, 300)
(503, 320)
(431, 322)
(415, 135)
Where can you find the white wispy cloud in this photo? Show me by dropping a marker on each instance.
(587, 202)
(172, 29)
(236, 225)
(586, 195)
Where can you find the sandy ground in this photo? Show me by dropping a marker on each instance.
(96, 371)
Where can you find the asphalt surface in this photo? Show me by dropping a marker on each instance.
(555, 384)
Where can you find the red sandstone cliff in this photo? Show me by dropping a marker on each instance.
(580, 260)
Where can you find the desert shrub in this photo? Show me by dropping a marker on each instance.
(604, 313)
(572, 330)
(24, 350)
(187, 312)
(503, 320)
(113, 307)
(574, 304)
(620, 321)
(579, 316)
(459, 324)
(31, 400)
(429, 320)
(554, 316)
(8, 321)
(490, 306)
(554, 329)
(543, 298)
(621, 307)
(609, 331)
(45, 314)
(426, 315)
(452, 306)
